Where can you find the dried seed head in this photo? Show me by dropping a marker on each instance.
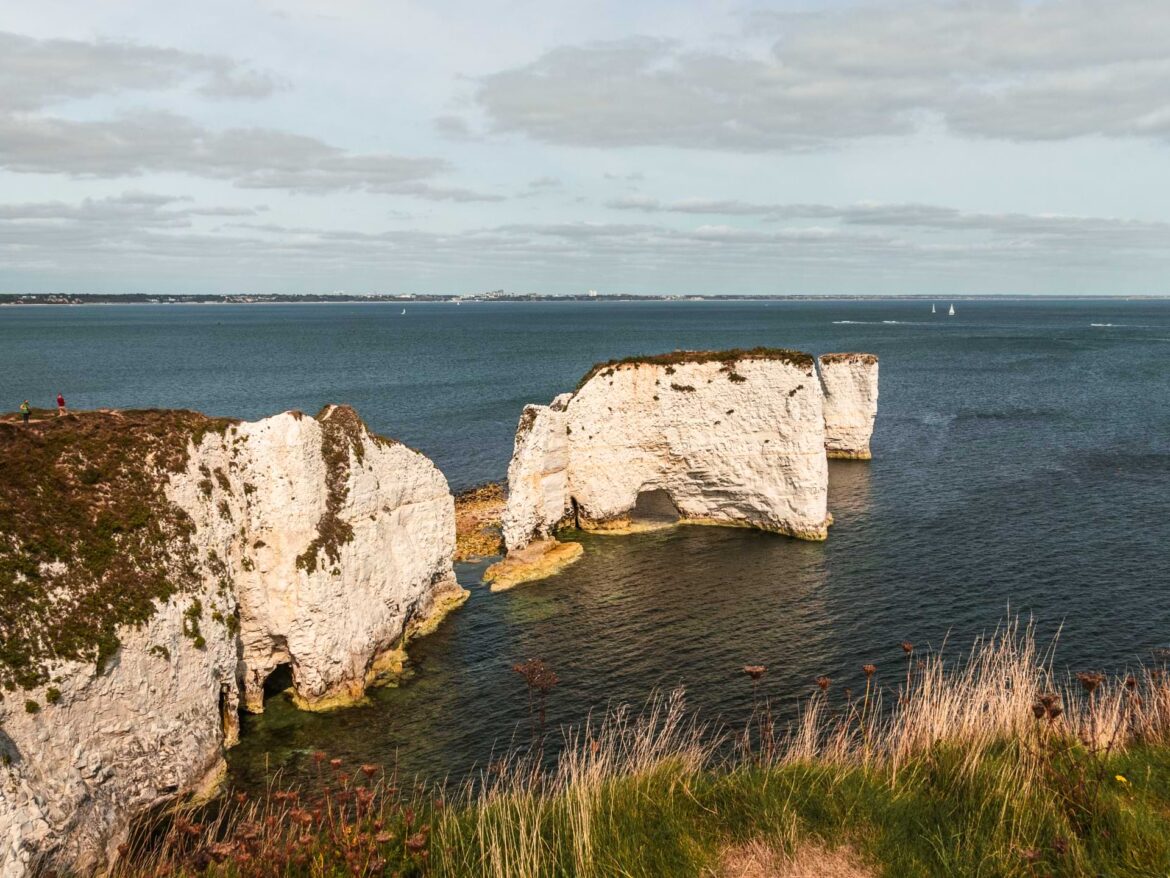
(869, 670)
(823, 682)
(907, 647)
(1090, 680)
(537, 675)
(754, 671)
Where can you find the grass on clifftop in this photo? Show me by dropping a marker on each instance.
(849, 357)
(729, 358)
(989, 767)
(88, 540)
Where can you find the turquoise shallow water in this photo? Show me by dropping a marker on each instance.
(1022, 465)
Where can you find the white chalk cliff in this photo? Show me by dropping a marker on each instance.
(850, 383)
(313, 543)
(736, 438)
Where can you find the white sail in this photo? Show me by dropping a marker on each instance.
(951, 313)
(932, 311)
(404, 310)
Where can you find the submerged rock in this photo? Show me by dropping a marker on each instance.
(733, 438)
(193, 557)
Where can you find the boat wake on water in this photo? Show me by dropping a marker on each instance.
(881, 322)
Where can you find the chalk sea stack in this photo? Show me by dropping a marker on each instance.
(738, 438)
(156, 567)
(850, 382)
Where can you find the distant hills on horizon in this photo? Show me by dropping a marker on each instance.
(501, 296)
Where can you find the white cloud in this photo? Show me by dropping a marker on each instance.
(989, 68)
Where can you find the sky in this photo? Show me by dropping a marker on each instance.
(661, 147)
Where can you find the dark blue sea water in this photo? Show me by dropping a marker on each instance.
(1022, 465)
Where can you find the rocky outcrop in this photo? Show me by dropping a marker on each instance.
(292, 540)
(538, 479)
(335, 540)
(851, 392)
(733, 438)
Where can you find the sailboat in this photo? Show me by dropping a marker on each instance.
(932, 311)
(404, 310)
(951, 313)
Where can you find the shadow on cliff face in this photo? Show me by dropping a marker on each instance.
(654, 507)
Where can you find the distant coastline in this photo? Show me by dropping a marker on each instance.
(500, 296)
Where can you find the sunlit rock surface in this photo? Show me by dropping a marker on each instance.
(734, 438)
(303, 541)
(851, 393)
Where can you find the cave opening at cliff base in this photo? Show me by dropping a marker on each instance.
(654, 506)
(279, 680)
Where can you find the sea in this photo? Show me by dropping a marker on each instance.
(1021, 471)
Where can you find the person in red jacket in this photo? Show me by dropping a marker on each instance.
(60, 404)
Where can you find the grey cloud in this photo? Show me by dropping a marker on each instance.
(254, 158)
(438, 193)
(141, 209)
(37, 73)
(34, 73)
(136, 233)
(992, 68)
(922, 217)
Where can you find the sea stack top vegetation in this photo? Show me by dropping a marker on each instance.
(728, 358)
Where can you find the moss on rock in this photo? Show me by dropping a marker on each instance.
(678, 358)
(88, 539)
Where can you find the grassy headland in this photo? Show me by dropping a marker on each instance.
(88, 539)
(990, 766)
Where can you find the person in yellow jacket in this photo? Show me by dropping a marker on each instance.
(25, 411)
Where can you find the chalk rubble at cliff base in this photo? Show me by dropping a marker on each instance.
(298, 541)
(735, 438)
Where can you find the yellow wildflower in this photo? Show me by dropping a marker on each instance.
(1120, 778)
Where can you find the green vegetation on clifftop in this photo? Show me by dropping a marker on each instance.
(88, 539)
(729, 358)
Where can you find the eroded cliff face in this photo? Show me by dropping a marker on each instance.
(335, 540)
(851, 394)
(152, 725)
(296, 540)
(733, 438)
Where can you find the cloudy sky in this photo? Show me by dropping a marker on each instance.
(662, 146)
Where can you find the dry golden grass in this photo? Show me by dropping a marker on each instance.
(757, 859)
(992, 765)
(977, 704)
